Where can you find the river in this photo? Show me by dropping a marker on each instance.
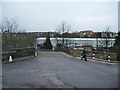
(79, 41)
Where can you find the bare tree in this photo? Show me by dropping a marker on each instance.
(15, 40)
(63, 36)
(106, 42)
(13, 37)
(7, 28)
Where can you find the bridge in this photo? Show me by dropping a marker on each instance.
(59, 70)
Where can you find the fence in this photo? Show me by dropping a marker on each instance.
(17, 52)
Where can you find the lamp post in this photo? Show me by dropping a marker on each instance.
(35, 43)
(97, 41)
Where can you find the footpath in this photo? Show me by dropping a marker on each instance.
(100, 60)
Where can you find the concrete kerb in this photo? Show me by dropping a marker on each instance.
(18, 59)
(100, 60)
(94, 60)
(103, 61)
(68, 55)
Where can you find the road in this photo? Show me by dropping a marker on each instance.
(57, 69)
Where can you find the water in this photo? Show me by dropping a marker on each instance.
(79, 41)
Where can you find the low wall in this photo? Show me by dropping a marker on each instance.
(100, 55)
(17, 53)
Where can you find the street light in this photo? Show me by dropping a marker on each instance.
(35, 43)
(97, 40)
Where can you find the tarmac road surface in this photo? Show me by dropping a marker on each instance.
(57, 69)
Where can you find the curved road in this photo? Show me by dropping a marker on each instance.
(57, 69)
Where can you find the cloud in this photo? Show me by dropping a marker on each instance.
(46, 16)
(60, 0)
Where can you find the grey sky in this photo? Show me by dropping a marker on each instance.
(45, 16)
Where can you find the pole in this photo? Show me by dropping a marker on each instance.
(93, 56)
(109, 58)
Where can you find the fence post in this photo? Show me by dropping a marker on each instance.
(53, 48)
(109, 58)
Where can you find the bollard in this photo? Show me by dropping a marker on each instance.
(93, 56)
(10, 59)
(36, 54)
(109, 58)
(53, 48)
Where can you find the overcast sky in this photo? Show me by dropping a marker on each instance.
(46, 16)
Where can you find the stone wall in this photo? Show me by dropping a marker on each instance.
(17, 53)
(100, 55)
